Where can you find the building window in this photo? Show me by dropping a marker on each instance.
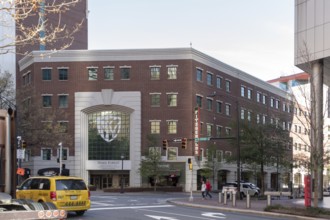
(209, 79)
(264, 99)
(228, 131)
(249, 116)
(63, 101)
(209, 104)
(228, 86)
(209, 129)
(219, 107)
(242, 91)
(264, 119)
(46, 74)
(125, 73)
(46, 101)
(284, 107)
(219, 79)
(199, 101)
(172, 72)
(155, 73)
(64, 153)
(277, 104)
(155, 100)
(249, 93)
(27, 157)
(155, 127)
(63, 126)
(219, 128)
(199, 75)
(242, 114)
(63, 74)
(92, 73)
(108, 73)
(258, 118)
(258, 97)
(172, 127)
(219, 155)
(272, 102)
(46, 154)
(172, 100)
(172, 153)
(228, 109)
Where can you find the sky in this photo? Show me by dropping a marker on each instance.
(255, 36)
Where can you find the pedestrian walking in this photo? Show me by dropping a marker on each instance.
(208, 189)
(203, 189)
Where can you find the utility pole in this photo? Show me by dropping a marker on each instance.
(60, 158)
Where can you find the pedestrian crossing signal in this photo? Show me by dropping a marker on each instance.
(165, 144)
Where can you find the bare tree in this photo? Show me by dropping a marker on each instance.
(37, 22)
(7, 90)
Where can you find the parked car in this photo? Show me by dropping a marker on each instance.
(65, 192)
(245, 188)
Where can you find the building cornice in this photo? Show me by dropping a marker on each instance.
(146, 54)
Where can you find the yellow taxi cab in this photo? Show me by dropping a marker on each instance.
(65, 192)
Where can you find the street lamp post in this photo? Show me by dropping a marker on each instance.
(122, 175)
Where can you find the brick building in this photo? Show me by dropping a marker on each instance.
(115, 98)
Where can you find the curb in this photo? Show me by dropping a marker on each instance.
(259, 213)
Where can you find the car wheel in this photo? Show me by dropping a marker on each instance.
(80, 213)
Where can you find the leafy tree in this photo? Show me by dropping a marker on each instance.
(264, 144)
(151, 165)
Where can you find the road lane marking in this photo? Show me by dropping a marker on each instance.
(130, 207)
(175, 214)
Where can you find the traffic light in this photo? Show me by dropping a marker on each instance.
(24, 144)
(165, 144)
(184, 143)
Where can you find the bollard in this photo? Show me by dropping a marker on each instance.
(234, 199)
(269, 200)
(220, 197)
(225, 197)
(248, 201)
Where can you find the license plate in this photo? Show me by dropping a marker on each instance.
(73, 197)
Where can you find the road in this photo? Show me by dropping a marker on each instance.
(153, 207)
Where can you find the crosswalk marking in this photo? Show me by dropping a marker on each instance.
(130, 207)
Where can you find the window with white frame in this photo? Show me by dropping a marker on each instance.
(172, 153)
(242, 113)
(125, 73)
(155, 73)
(219, 129)
(27, 157)
(155, 127)
(277, 104)
(258, 97)
(264, 119)
(92, 73)
(228, 86)
(63, 101)
(172, 126)
(47, 101)
(172, 99)
(219, 155)
(65, 153)
(46, 154)
(209, 79)
(264, 97)
(209, 104)
(199, 75)
(249, 93)
(258, 118)
(172, 72)
(219, 107)
(155, 99)
(155, 150)
(109, 73)
(219, 82)
(228, 131)
(228, 107)
(242, 91)
(209, 128)
(249, 115)
(272, 102)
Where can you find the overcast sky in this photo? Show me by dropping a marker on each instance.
(255, 36)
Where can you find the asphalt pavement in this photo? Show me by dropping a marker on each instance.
(256, 205)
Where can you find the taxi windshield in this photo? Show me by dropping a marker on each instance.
(70, 184)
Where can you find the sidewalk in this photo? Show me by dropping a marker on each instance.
(256, 206)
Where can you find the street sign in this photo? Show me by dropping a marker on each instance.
(20, 153)
(202, 139)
